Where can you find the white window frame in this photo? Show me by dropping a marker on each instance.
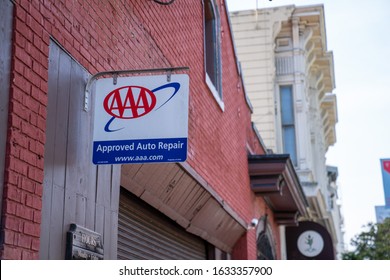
(215, 89)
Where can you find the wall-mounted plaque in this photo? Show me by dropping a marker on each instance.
(83, 244)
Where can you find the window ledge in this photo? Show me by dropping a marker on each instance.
(215, 93)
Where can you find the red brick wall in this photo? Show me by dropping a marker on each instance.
(107, 35)
(26, 136)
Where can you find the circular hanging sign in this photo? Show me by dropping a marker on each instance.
(310, 243)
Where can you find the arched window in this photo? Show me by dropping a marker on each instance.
(265, 250)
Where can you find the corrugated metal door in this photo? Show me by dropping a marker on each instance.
(145, 233)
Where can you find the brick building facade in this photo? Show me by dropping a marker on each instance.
(49, 179)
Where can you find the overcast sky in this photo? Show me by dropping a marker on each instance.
(358, 34)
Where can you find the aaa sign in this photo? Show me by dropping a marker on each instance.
(141, 120)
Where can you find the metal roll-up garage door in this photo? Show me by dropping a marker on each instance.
(145, 233)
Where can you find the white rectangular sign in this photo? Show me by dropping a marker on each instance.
(141, 119)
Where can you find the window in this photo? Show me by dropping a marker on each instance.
(288, 123)
(265, 250)
(212, 50)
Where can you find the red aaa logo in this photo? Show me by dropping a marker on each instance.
(129, 102)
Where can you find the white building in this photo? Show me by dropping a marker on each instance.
(289, 77)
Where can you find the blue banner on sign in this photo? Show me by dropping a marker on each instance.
(140, 151)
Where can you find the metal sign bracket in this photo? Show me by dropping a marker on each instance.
(115, 75)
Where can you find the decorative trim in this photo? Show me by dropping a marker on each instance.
(274, 178)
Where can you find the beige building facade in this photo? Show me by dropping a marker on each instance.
(289, 77)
